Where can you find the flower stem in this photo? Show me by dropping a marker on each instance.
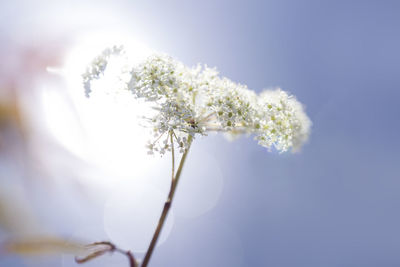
(167, 204)
(109, 247)
(171, 134)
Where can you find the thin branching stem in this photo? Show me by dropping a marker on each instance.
(158, 138)
(109, 247)
(208, 117)
(129, 254)
(171, 134)
(219, 129)
(167, 205)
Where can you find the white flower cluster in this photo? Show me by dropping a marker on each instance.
(168, 84)
(281, 121)
(98, 66)
(191, 101)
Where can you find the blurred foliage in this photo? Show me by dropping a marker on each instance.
(42, 246)
(21, 156)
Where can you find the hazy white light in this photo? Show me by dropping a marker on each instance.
(200, 186)
(131, 216)
(104, 129)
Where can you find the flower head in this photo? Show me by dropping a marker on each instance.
(98, 66)
(281, 121)
(194, 101)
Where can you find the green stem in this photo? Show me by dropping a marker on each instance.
(167, 204)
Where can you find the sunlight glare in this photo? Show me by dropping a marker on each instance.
(103, 130)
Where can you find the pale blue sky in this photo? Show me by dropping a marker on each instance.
(336, 203)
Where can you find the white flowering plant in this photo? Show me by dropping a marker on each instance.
(194, 101)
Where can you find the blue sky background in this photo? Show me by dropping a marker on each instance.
(334, 204)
